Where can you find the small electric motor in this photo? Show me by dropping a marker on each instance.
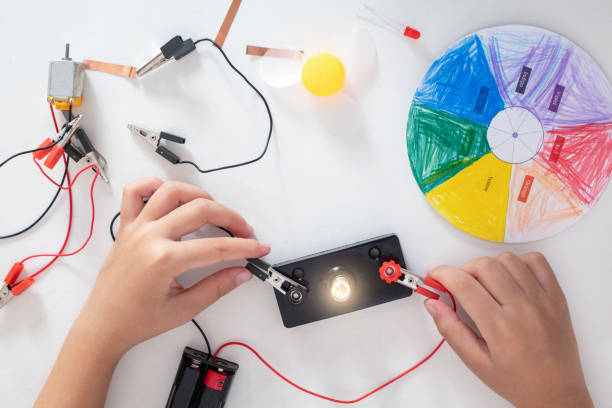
(65, 86)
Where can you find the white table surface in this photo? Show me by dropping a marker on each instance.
(324, 183)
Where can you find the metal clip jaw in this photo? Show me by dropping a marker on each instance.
(390, 271)
(282, 283)
(5, 295)
(175, 49)
(154, 139)
(69, 130)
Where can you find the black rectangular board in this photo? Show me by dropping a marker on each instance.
(367, 289)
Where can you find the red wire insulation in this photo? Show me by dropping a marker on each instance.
(54, 120)
(55, 258)
(69, 188)
(93, 210)
(288, 381)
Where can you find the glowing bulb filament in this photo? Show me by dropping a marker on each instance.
(340, 289)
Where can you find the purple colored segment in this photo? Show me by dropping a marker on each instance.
(523, 80)
(556, 98)
(565, 86)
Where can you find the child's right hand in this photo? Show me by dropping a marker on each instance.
(136, 296)
(528, 352)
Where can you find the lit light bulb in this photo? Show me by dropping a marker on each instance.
(340, 289)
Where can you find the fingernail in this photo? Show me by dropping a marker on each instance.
(242, 277)
(264, 248)
(431, 309)
(251, 229)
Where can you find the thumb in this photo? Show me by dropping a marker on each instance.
(472, 350)
(209, 290)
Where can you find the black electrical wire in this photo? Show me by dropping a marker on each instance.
(38, 149)
(41, 216)
(231, 166)
(262, 154)
(203, 335)
(59, 190)
(112, 224)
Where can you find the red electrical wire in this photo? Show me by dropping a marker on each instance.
(69, 188)
(93, 209)
(54, 120)
(55, 258)
(288, 381)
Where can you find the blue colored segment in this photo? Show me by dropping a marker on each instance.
(460, 82)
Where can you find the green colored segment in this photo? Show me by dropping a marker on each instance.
(441, 144)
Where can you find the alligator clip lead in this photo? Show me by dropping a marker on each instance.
(9, 289)
(390, 271)
(285, 285)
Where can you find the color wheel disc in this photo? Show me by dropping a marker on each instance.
(510, 133)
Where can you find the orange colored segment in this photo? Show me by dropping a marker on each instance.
(540, 204)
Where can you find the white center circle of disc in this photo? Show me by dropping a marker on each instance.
(515, 135)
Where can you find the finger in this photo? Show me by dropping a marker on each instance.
(196, 253)
(169, 196)
(133, 195)
(494, 277)
(537, 263)
(469, 347)
(209, 290)
(196, 213)
(474, 298)
(524, 278)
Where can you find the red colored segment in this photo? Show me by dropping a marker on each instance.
(556, 149)
(581, 156)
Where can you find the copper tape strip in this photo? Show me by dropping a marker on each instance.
(114, 69)
(273, 52)
(227, 22)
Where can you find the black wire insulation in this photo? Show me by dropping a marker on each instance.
(38, 149)
(41, 216)
(231, 166)
(59, 190)
(203, 335)
(262, 154)
(112, 224)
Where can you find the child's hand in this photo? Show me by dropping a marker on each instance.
(135, 296)
(528, 352)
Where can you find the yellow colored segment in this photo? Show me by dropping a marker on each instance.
(476, 199)
(323, 74)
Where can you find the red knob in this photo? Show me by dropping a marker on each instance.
(390, 271)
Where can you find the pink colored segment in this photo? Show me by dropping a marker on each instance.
(583, 161)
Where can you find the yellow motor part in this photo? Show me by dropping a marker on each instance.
(323, 74)
(64, 104)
